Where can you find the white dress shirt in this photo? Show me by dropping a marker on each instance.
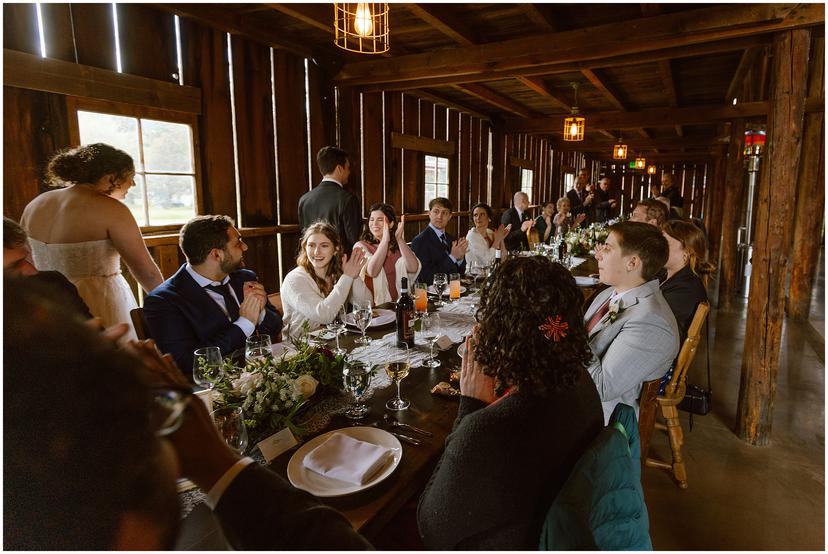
(242, 323)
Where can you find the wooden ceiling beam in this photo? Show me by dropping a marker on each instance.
(311, 14)
(496, 99)
(611, 95)
(656, 117)
(671, 143)
(542, 16)
(450, 26)
(633, 37)
(537, 84)
(749, 57)
(437, 99)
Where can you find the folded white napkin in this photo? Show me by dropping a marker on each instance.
(347, 459)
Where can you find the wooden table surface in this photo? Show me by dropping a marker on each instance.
(370, 510)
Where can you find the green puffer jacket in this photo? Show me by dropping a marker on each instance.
(601, 505)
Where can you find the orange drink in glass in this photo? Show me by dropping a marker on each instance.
(454, 287)
(420, 298)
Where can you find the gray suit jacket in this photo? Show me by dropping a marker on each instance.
(638, 346)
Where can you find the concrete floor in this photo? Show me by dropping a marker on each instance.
(743, 497)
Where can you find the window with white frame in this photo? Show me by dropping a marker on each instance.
(164, 157)
(436, 178)
(569, 181)
(526, 176)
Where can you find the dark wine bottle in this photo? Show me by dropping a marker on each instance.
(405, 316)
(562, 251)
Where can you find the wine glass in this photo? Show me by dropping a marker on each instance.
(440, 282)
(397, 367)
(207, 366)
(356, 377)
(454, 287)
(230, 423)
(337, 327)
(362, 317)
(475, 269)
(257, 348)
(420, 298)
(430, 330)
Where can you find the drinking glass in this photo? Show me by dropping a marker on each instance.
(230, 424)
(207, 368)
(430, 330)
(397, 367)
(362, 318)
(454, 287)
(475, 268)
(440, 282)
(356, 377)
(257, 347)
(337, 326)
(420, 298)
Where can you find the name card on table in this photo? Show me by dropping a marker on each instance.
(277, 443)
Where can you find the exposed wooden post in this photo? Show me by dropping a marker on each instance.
(774, 212)
(734, 193)
(810, 200)
(714, 206)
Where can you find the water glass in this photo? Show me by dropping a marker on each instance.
(257, 348)
(454, 287)
(356, 376)
(207, 366)
(430, 330)
(440, 283)
(337, 326)
(420, 298)
(362, 317)
(398, 367)
(230, 424)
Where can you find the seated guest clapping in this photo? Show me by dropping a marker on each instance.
(482, 241)
(323, 280)
(563, 221)
(438, 251)
(389, 257)
(211, 300)
(527, 413)
(632, 331)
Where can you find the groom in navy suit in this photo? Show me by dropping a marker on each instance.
(438, 251)
(210, 301)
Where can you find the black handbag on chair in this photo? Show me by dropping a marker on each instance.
(696, 399)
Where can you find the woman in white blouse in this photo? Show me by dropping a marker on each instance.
(389, 257)
(322, 282)
(483, 242)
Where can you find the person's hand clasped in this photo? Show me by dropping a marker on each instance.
(473, 382)
(252, 306)
(458, 248)
(399, 232)
(253, 287)
(351, 266)
(526, 225)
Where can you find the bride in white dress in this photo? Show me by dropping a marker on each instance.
(83, 230)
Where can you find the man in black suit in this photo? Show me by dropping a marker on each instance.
(108, 452)
(210, 301)
(581, 197)
(604, 201)
(519, 219)
(672, 193)
(438, 251)
(330, 201)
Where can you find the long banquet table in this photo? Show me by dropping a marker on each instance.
(370, 510)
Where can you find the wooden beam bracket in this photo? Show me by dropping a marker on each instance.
(423, 144)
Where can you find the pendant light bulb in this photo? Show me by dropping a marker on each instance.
(362, 20)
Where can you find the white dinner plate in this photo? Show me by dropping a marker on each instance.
(322, 334)
(280, 348)
(432, 290)
(381, 317)
(582, 281)
(319, 485)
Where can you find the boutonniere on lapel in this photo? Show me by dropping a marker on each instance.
(615, 310)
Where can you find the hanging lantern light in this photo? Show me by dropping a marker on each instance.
(651, 169)
(619, 151)
(361, 27)
(574, 125)
(640, 163)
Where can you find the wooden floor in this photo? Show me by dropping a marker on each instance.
(739, 496)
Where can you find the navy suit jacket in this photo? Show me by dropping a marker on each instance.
(181, 317)
(432, 254)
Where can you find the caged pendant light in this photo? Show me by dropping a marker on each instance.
(574, 124)
(640, 163)
(651, 169)
(361, 27)
(619, 151)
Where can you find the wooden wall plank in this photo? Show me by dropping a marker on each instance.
(454, 166)
(20, 28)
(204, 55)
(464, 178)
(349, 138)
(393, 156)
(147, 37)
(322, 112)
(734, 193)
(94, 35)
(373, 163)
(426, 119)
(476, 154)
(412, 160)
(254, 129)
(440, 122)
(57, 31)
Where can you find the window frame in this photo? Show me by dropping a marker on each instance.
(448, 173)
(75, 104)
(531, 181)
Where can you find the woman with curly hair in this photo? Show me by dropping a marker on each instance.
(84, 229)
(528, 411)
(322, 281)
(389, 257)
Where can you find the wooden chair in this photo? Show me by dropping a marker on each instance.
(647, 411)
(533, 237)
(140, 324)
(674, 394)
(276, 300)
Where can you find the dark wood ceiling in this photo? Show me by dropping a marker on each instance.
(515, 63)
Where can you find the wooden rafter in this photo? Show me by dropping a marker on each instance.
(611, 95)
(749, 57)
(671, 143)
(437, 99)
(542, 16)
(312, 14)
(496, 99)
(537, 84)
(450, 26)
(636, 36)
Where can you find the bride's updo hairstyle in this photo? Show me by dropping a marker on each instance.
(87, 164)
(532, 337)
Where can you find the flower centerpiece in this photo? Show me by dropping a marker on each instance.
(577, 242)
(271, 390)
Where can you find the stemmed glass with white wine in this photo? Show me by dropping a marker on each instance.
(362, 317)
(207, 366)
(397, 367)
(337, 327)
